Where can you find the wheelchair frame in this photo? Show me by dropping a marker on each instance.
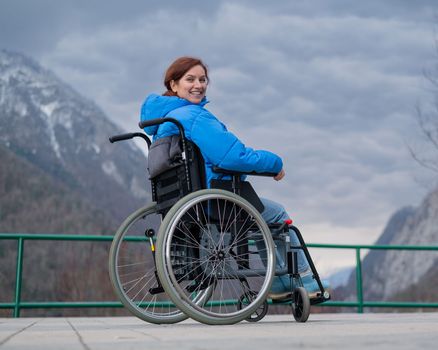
(174, 201)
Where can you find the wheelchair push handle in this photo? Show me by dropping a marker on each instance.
(157, 121)
(121, 137)
(128, 136)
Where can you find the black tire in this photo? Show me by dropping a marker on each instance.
(195, 252)
(300, 304)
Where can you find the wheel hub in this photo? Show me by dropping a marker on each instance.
(220, 255)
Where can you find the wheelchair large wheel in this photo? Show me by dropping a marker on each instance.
(132, 270)
(215, 239)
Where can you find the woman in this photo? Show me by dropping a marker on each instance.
(186, 81)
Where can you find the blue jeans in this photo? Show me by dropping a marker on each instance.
(275, 213)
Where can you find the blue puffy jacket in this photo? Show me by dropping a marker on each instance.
(218, 146)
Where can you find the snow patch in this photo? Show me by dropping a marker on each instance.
(54, 143)
(110, 169)
(96, 148)
(138, 188)
(2, 94)
(49, 108)
(21, 109)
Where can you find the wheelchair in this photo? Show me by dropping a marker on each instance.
(203, 253)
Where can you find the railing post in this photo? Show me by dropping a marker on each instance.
(18, 274)
(359, 282)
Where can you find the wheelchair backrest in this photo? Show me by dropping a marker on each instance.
(170, 178)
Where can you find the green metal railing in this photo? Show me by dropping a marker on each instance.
(360, 303)
(18, 304)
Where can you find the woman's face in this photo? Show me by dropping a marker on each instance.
(192, 86)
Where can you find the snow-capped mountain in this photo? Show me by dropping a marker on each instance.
(46, 122)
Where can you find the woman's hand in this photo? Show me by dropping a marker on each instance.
(280, 175)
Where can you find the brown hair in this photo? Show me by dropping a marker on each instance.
(177, 70)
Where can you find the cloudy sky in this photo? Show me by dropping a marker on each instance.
(331, 86)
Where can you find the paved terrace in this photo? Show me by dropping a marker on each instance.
(327, 331)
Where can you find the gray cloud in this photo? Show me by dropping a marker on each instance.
(329, 85)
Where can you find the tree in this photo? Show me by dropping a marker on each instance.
(427, 119)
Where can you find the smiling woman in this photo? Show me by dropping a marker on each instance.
(186, 81)
(187, 78)
(192, 85)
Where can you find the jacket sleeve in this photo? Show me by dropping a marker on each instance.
(223, 149)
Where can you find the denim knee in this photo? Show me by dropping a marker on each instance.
(274, 212)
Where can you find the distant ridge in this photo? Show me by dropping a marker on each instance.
(390, 275)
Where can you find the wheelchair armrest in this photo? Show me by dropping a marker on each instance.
(238, 173)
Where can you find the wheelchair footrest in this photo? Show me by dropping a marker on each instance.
(318, 300)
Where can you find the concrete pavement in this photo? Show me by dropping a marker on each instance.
(327, 331)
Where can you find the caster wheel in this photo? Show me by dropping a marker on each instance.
(259, 313)
(300, 305)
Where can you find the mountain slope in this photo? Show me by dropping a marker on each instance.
(46, 122)
(399, 274)
(32, 201)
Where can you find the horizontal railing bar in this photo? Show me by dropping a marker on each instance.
(368, 246)
(55, 237)
(63, 237)
(398, 304)
(67, 237)
(117, 304)
(390, 304)
(63, 304)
